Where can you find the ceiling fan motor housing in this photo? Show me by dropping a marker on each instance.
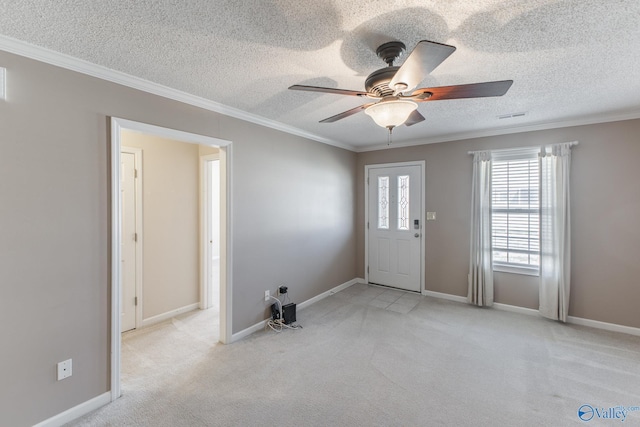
(378, 81)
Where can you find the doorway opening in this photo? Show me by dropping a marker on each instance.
(206, 290)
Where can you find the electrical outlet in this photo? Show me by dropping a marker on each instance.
(64, 369)
(267, 295)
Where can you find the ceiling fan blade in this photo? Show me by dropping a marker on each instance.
(346, 113)
(328, 90)
(414, 118)
(473, 90)
(424, 58)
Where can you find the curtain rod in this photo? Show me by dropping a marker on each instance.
(571, 144)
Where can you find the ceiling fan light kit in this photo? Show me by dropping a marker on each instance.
(389, 86)
(391, 113)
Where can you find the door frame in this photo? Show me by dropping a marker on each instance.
(137, 161)
(226, 230)
(422, 165)
(206, 285)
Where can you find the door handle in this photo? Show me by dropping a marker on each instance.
(416, 235)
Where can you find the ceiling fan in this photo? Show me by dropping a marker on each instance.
(391, 88)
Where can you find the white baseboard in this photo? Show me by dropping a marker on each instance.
(449, 297)
(77, 411)
(532, 312)
(260, 325)
(169, 314)
(604, 325)
(516, 309)
(248, 331)
(329, 292)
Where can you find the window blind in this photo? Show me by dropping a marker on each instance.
(515, 210)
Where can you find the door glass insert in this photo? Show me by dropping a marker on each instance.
(383, 202)
(403, 202)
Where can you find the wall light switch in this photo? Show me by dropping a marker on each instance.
(64, 369)
(431, 216)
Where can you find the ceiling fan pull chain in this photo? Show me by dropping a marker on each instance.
(390, 132)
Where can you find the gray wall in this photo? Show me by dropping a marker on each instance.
(291, 223)
(605, 210)
(294, 218)
(171, 222)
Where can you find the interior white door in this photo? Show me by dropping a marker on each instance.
(395, 226)
(211, 204)
(128, 239)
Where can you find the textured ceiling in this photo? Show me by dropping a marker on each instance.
(570, 60)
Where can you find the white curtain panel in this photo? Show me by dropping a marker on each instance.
(555, 232)
(481, 255)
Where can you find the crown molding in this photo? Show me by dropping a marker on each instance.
(590, 120)
(27, 50)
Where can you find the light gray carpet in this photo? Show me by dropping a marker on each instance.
(363, 360)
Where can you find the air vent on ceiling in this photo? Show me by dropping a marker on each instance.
(512, 115)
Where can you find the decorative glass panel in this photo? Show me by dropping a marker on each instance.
(403, 202)
(383, 202)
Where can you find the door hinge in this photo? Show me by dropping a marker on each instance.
(367, 225)
(136, 301)
(367, 180)
(367, 269)
(135, 173)
(135, 237)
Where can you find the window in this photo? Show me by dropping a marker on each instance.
(383, 202)
(403, 202)
(515, 214)
(387, 201)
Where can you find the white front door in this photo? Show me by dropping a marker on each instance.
(128, 240)
(395, 226)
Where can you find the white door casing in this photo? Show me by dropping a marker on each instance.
(395, 214)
